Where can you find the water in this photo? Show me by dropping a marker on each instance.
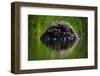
(39, 50)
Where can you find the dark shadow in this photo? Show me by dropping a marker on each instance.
(59, 45)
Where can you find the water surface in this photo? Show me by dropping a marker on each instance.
(57, 50)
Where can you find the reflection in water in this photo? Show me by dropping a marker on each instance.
(59, 48)
(59, 45)
(43, 50)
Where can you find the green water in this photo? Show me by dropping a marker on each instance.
(37, 50)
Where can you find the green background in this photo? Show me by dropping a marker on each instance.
(37, 25)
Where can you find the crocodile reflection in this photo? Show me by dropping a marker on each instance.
(59, 45)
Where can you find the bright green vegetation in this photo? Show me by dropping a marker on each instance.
(37, 24)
